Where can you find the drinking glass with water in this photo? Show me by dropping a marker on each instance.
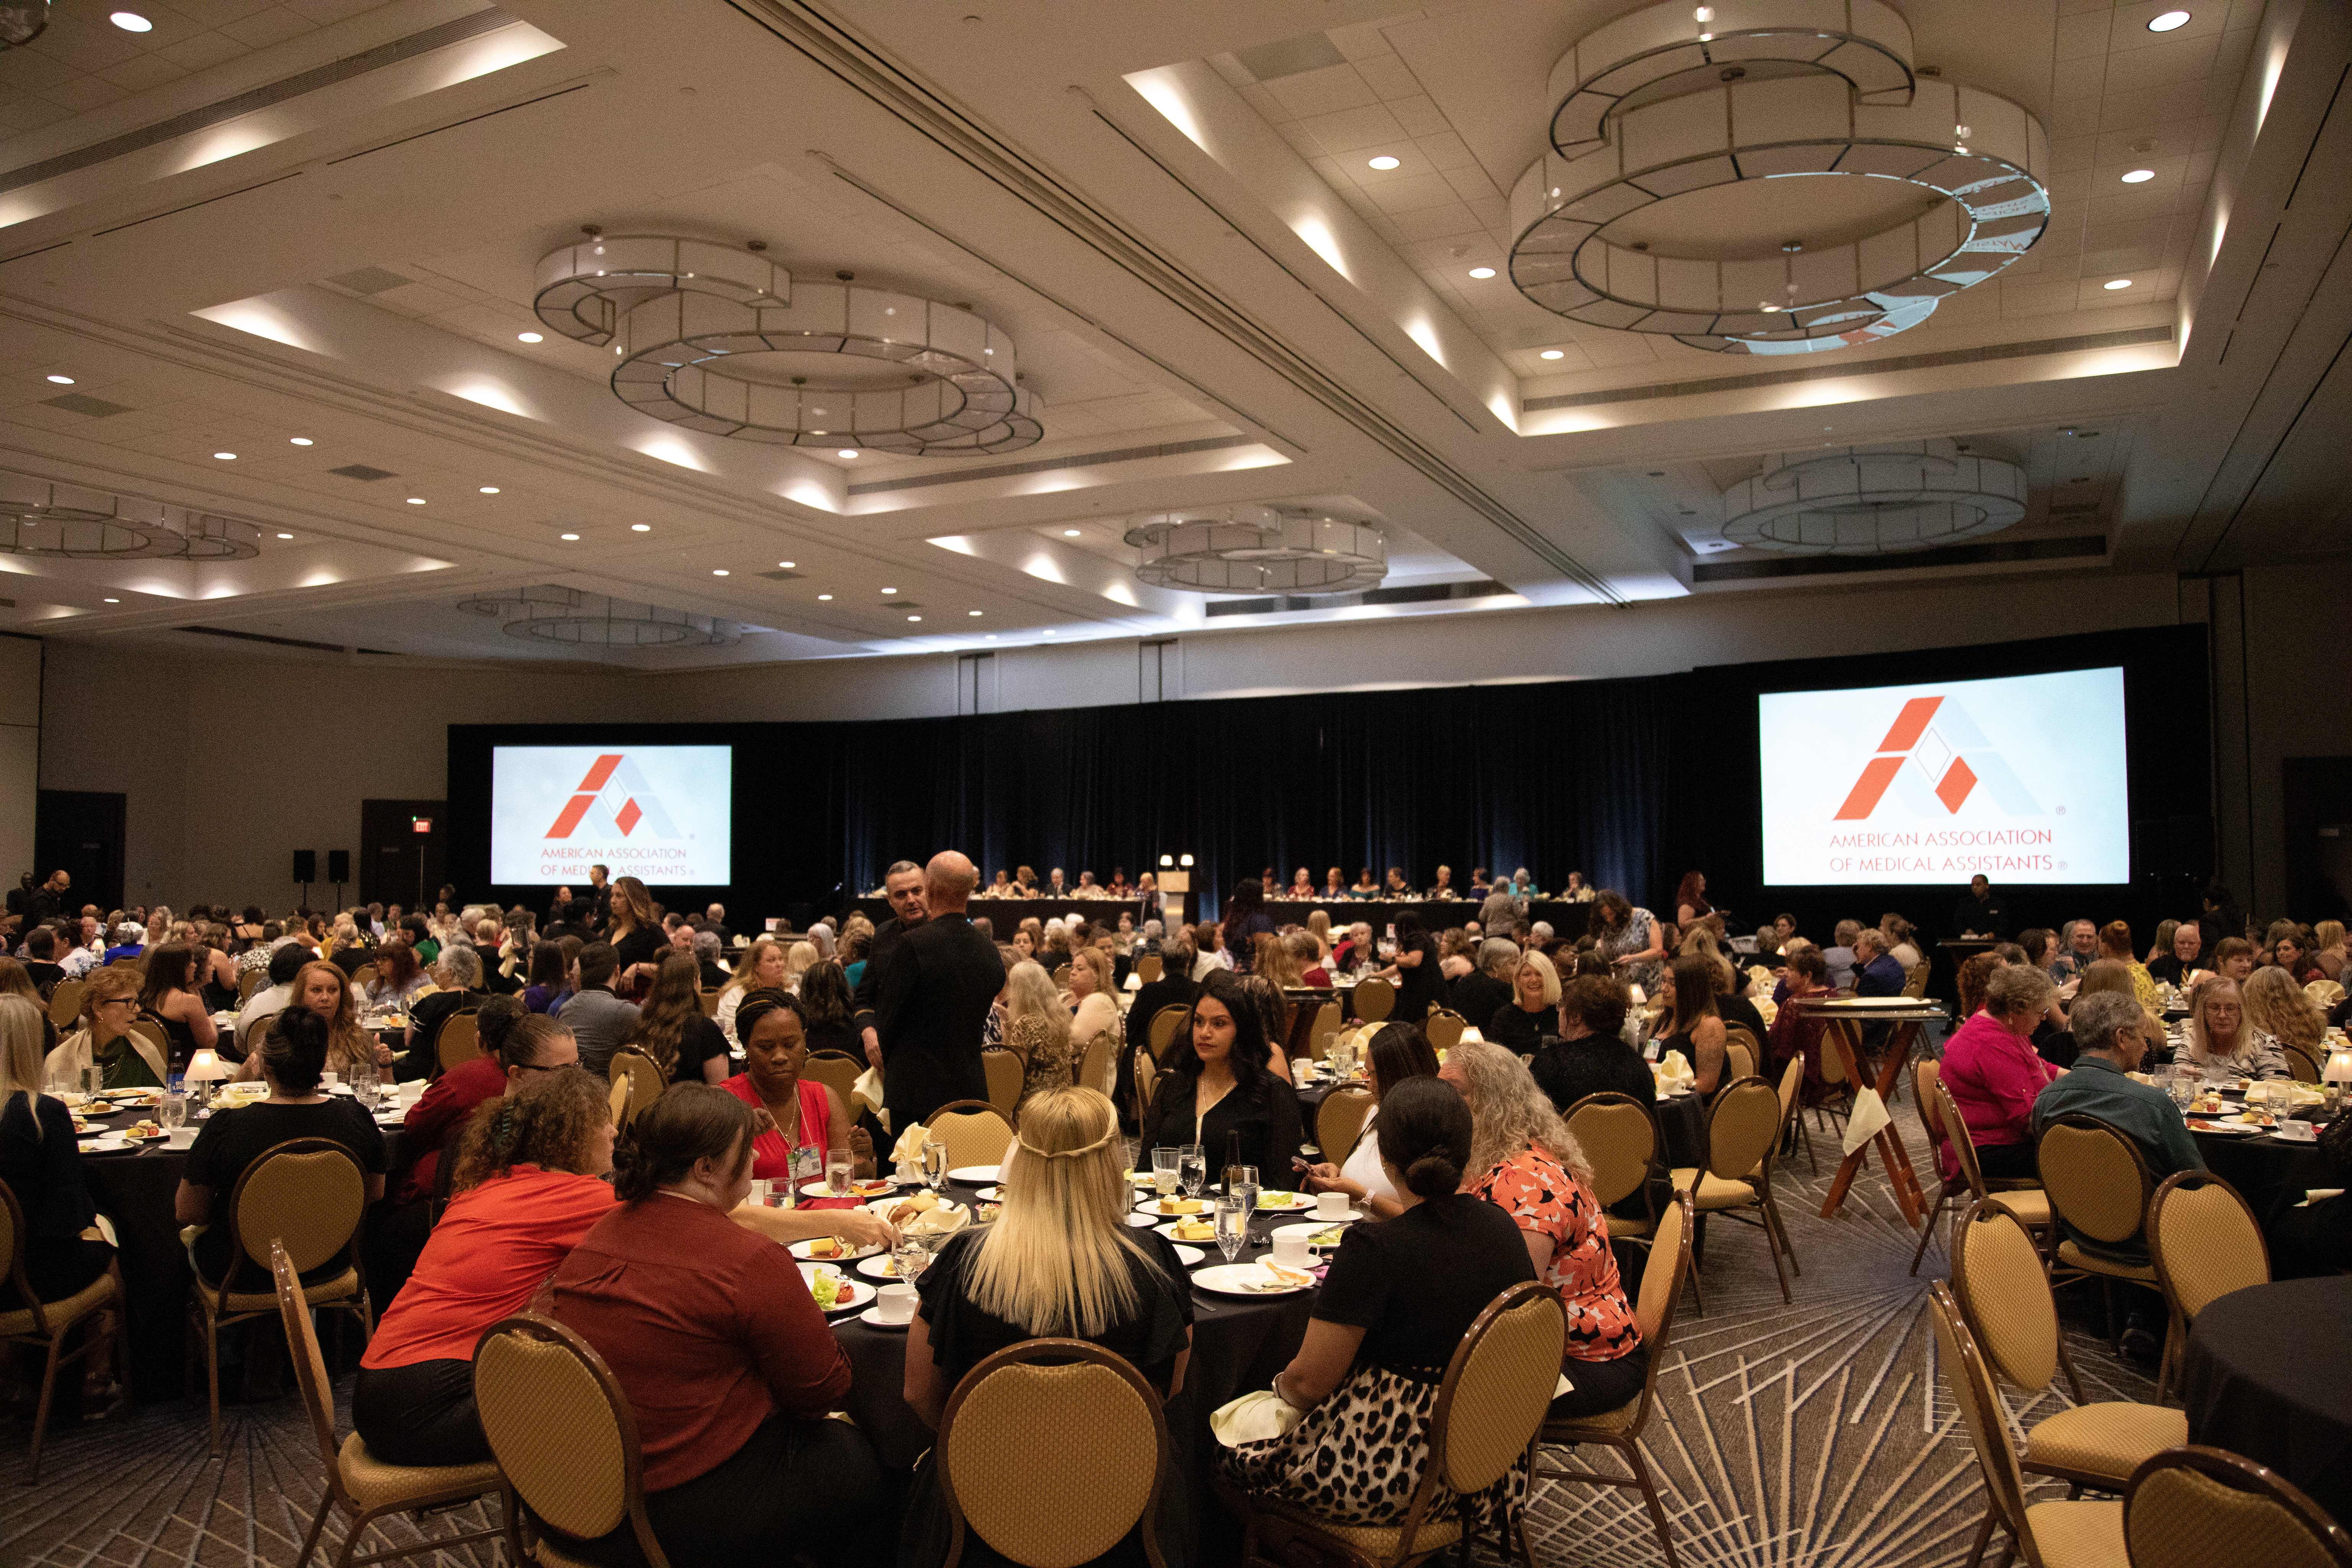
(1233, 1225)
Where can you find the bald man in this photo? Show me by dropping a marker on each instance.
(934, 1001)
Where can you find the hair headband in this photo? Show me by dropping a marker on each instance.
(1069, 1153)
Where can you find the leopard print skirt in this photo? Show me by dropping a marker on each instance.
(1357, 1457)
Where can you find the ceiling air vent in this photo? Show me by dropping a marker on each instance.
(781, 574)
(81, 402)
(362, 471)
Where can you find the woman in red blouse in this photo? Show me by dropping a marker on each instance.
(803, 1114)
(1994, 1072)
(1524, 1160)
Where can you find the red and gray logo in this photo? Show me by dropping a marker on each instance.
(1934, 755)
(615, 792)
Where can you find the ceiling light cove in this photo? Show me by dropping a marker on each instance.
(713, 338)
(1819, 177)
(1257, 549)
(67, 523)
(566, 616)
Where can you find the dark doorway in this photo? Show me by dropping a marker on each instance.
(401, 857)
(2318, 812)
(80, 832)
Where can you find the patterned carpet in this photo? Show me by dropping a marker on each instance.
(1812, 1435)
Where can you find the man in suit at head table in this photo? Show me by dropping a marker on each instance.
(934, 1001)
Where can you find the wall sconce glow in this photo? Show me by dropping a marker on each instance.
(1503, 407)
(1422, 330)
(1158, 88)
(263, 319)
(1319, 239)
(491, 395)
(677, 452)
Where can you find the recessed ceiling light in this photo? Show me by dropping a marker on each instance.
(825, 596)
(914, 618)
(2115, 283)
(1551, 353)
(1049, 631)
(1070, 533)
(490, 490)
(62, 380)
(133, 22)
(1385, 162)
(570, 538)
(114, 601)
(2139, 177)
(971, 612)
(225, 456)
(1481, 272)
(529, 338)
(2168, 21)
(846, 452)
(719, 571)
(641, 528)
(416, 501)
(299, 440)
(285, 536)
(889, 590)
(991, 637)
(785, 564)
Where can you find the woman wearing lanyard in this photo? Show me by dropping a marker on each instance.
(802, 1115)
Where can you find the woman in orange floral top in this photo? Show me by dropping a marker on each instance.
(1525, 1160)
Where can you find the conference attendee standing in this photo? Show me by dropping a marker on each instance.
(935, 996)
(1981, 911)
(903, 885)
(1243, 923)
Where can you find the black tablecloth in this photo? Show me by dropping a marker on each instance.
(2267, 1171)
(2253, 1385)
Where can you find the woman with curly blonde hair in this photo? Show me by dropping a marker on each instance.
(2277, 1005)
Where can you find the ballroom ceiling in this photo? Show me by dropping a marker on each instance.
(277, 262)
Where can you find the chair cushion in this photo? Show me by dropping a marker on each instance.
(1377, 1542)
(375, 1485)
(2078, 1534)
(1607, 1423)
(1709, 1191)
(2109, 1438)
(1620, 1226)
(61, 1312)
(2073, 1257)
(2029, 1204)
(342, 1285)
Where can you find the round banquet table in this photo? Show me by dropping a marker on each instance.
(1681, 1118)
(2254, 1386)
(2269, 1173)
(1238, 1344)
(134, 1189)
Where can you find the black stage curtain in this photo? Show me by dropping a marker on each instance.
(1631, 781)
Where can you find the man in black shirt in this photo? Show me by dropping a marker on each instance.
(903, 885)
(40, 960)
(942, 978)
(1981, 911)
(458, 972)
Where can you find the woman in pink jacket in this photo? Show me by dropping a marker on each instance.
(1994, 1073)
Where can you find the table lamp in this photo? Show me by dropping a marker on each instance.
(205, 1067)
(2338, 1075)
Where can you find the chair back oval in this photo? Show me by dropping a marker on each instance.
(837, 1070)
(1971, 1382)
(562, 1430)
(2301, 1064)
(1339, 1122)
(2004, 1297)
(1956, 1133)
(1324, 1029)
(306, 1194)
(1664, 1274)
(619, 1099)
(251, 980)
(1149, 968)
(1498, 1387)
(1833, 1067)
(461, 1039)
(1094, 1067)
(1620, 1139)
(152, 1030)
(1051, 1451)
(710, 1000)
(1926, 1079)
(1743, 1128)
(1004, 1074)
(1165, 1025)
(310, 1366)
(975, 1132)
(2191, 1506)
(2094, 1177)
(1443, 1028)
(2204, 1241)
(1914, 982)
(1375, 1000)
(65, 1002)
(362, 978)
(1741, 1049)
(646, 1080)
(1062, 976)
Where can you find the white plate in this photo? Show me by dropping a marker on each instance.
(1169, 1230)
(992, 1194)
(1188, 1254)
(1309, 1229)
(873, 1317)
(972, 1175)
(1140, 1221)
(854, 1292)
(2221, 1129)
(799, 1250)
(879, 1268)
(1282, 1201)
(1239, 1279)
(1151, 1205)
(819, 1190)
(1350, 1217)
(109, 1144)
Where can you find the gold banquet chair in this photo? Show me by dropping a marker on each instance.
(461, 1039)
(1004, 1074)
(1149, 968)
(2004, 1298)
(1488, 1420)
(2098, 1183)
(65, 1002)
(2192, 1507)
(646, 1080)
(1941, 1115)
(308, 1195)
(2052, 1534)
(1621, 1429)
(1339, 1122)
(2205, 1243)
(1094, 1064)
(1166, 1024)
(838, 1071)
(1620, 1137)
(1743, 1140)
(2301, 1065)
(566, 1439)
(1741, 1054)
(1375, 1000)
(1443, 1028)
(357, 1481)
(975, 1132)
(1051, 1451)
(46, 1325)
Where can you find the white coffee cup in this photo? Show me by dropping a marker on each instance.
(1291, 1251)
(896, 1303)
(1305, 1070)
(181, 1137)
(1331, 1205)
(330, 1079)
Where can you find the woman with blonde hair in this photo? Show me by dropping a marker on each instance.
(1036, 1029)
(63, 1253)
(799, 960)
(763, 968)
(1318, 926)
(2328, 948)
(2276, 1007)
(1094, 1004)
(125, 1058)
(2221, 1042)
(1525, 1160)
(15, 981)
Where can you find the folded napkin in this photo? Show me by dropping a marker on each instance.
(1868, 1118)
(908, 1148)
(1767, 1010)
(1676, 1070)
(1254, 1418)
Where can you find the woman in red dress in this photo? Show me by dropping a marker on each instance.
(803, 1115)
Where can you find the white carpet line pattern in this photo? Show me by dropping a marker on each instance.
(1817, 1435)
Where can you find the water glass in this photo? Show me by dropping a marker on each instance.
(1241, 1182)
(837, 1169)
(2181, 1084)
(935, 1164)
(1233, 1226)
(172, 1111)
(1191, 1168)
(1166, 1167)
(93, 1078)
(908, 1260)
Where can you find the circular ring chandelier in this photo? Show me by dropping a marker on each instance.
(68, 522)
(715, 339)
(568, 616)
(1874, 500)
(1669, 117)
(1257, 549)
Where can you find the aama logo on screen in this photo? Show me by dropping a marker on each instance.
(616, 792)
(1947, 758)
